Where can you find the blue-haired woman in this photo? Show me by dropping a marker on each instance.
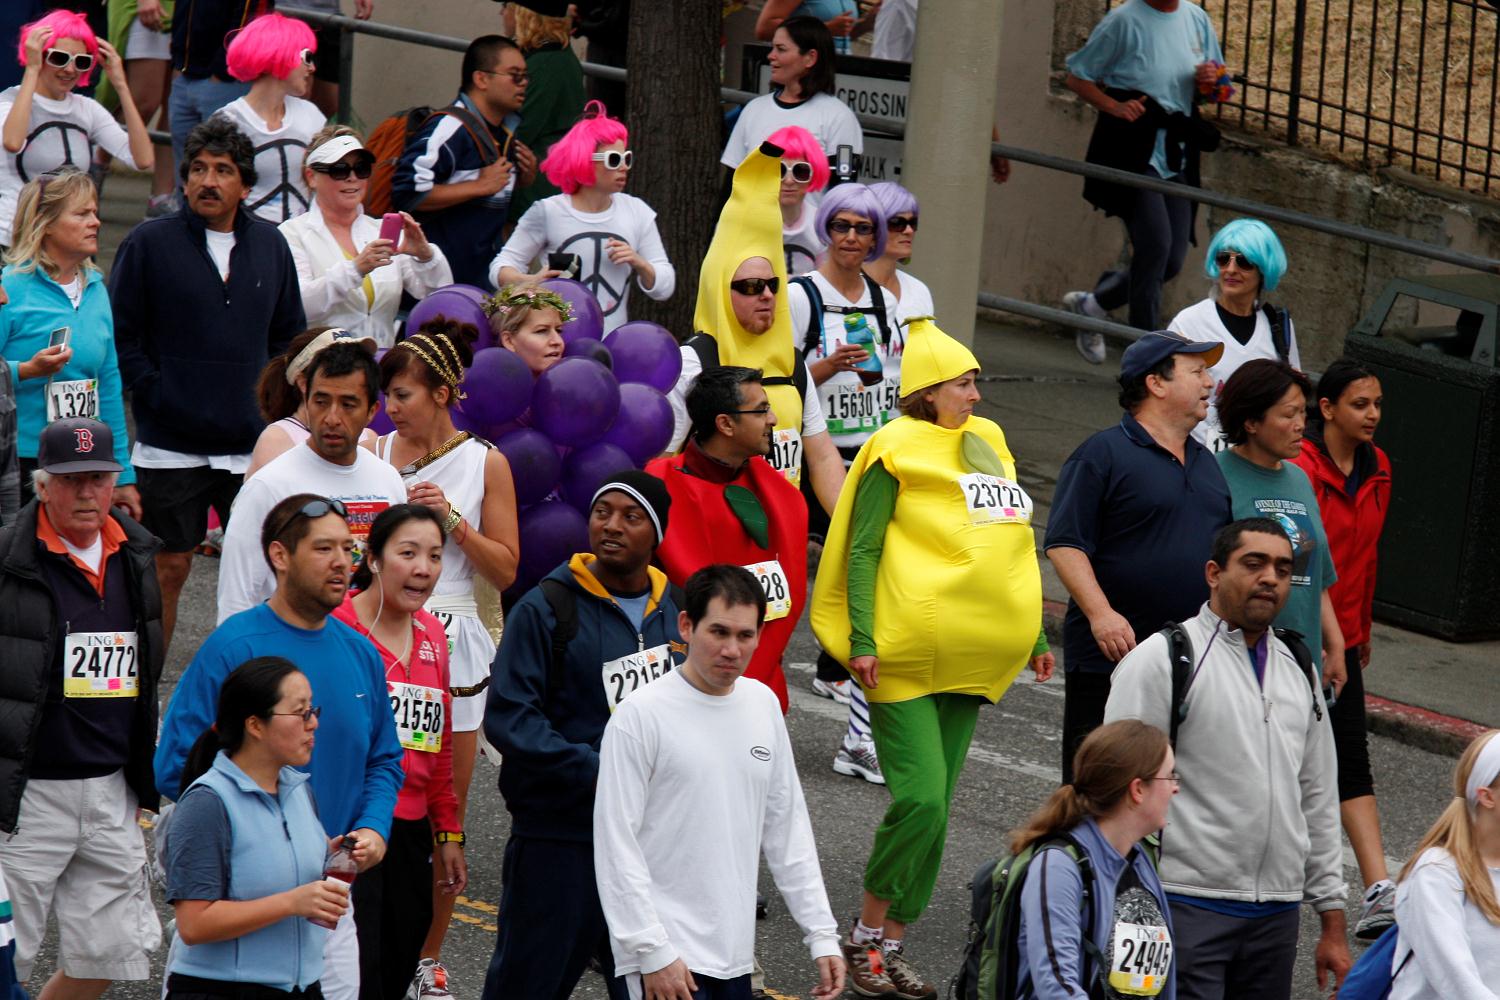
(913, 299)
(1245, 260)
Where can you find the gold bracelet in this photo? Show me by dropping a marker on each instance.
(454, 517)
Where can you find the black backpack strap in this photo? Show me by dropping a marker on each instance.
(1303, 656)
(564, 604)
(799, 375)
(812, 337)
(478, 129)
(1092, 955)
(707, 349)
(1180, 655)
(877, 308)
(1280, 337)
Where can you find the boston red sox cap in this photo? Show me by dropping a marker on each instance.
(77, 444)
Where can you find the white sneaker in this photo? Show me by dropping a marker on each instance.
(1377, 910)
(860, 761)
(431, 981)
(1090, 345)
(837, 690)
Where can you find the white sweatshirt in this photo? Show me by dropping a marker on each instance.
(280, 190)
(692, 788)
(366, 488)
(1457, 951)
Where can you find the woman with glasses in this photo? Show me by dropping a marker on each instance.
(912, 296)
(1245, 260)
(592, 231)
(47, 126)
(804, 172)
(245, 851)
(349, 276)
(274, 54)
(1123, 783)
(393, 901)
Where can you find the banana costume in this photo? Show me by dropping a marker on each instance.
(958, 594)
(750, 226)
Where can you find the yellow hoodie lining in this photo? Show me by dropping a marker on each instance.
(579, 564)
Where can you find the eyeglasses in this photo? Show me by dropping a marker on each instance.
(1174, 778)
(1224, 257)
(320, 507)
(340, 171)
(759, 411)
(306, 55)
(842, 226)
(901, 223)
(755, 286)
(61, 59)
(800, 170)
(517, 76)
(306, 716)
(613, 159)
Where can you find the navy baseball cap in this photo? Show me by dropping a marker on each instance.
(76, 444)
(1154, 348)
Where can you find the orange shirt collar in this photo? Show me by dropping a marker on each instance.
(112, 534)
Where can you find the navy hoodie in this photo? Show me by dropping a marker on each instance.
(549, 740)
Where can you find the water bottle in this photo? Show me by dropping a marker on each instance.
(857, 332)
(340, 866)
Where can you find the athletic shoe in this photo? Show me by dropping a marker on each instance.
(1090, 345)
(860, 762)
(431, 980)
(909, 984)
(866, 975)
(1377, 911)
(837, 690)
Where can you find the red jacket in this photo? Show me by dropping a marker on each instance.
(1353, 525)
(712, 533)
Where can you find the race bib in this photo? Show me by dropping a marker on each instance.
(73, 398)
(419, 716)
(778, 591)
(786, 454)
(362, 514)
(992, 500)
(1140, 958)
(853, 408)
(624, 676)
(101, 665)
(445, 619)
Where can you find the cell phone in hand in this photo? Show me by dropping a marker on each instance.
(391, 225)
(568, 263)
(59, 337)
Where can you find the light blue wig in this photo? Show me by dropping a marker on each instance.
(1257, 242)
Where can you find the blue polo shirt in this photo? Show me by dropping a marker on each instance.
(1146, 521)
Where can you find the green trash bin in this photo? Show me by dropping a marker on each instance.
(1439, 564)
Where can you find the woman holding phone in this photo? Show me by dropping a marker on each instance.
(353, 268)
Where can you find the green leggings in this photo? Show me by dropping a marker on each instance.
(922, 745)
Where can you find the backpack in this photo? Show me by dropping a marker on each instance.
(564, 604)
(992, 957)
(1280, 337)
(1372, 976)
(812, 337)
(391, 137)
(1180, 650)
(707, 349)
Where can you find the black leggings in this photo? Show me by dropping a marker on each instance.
(1350, 741)
(1160, 226)
(392, 911)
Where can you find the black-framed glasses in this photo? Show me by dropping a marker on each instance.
(901, 223)
(341, 170)
(306, 716)
(842, 226)
(1174, 778)
(320, 507)
(755, 286)
(1225, 257)
(614, 159)
(62, 59)
(519, 77)
(800, 170)
(759, 411)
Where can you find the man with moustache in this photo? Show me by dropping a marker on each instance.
(1254, 831)
(356, 765)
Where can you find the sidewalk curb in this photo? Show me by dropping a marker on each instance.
(1409, 724)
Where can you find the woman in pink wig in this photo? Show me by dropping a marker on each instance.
(804, 172)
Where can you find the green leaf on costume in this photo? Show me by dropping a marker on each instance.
(979, 456)
(752, 516)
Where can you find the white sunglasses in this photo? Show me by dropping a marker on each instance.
(613, 159)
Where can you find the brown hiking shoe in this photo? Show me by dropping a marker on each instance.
(909, 984)
(867, 976)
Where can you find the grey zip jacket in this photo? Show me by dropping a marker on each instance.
(1257, 817)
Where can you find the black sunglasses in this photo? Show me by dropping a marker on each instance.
(1223, 258)
(312, 509)
(340, 171)
(800, 170)
(842, 226)
(901, 223)
(755, 286)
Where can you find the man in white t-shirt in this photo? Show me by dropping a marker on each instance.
(696, 782)
(342, 390)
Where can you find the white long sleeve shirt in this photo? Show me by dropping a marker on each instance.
(1457, 950)
(692, 788)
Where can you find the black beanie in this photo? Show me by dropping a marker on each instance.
(646, 490)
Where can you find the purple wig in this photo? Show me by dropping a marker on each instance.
(64, 24)
(894, 198)
(797, 143)
(859, 200)
(570, 162)
(270, 45)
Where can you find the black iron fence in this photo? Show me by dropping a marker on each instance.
(1407, 83)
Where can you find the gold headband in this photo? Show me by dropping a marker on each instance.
(449, 372)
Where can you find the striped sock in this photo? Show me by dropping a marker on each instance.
(859, 717)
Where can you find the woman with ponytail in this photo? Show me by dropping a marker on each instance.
(245, 853)
(1122, 786)
(1448, 894)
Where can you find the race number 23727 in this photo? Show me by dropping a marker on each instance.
(624, 676)
(992, 500)
(101, 665)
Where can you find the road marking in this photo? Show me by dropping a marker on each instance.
(475, 922)
(478, 904)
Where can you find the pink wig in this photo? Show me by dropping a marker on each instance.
(64, 24)
(797, 143)
(569, 163)
(269, 45)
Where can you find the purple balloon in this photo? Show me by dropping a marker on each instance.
(588, 347)
(381, 422)
(587, 468)
(646, 353)
(644, 424)
(450, 303)
(498, 386)
(534, 465)
(588, 318)
(575, 401)
(487, 336)
(553, 532)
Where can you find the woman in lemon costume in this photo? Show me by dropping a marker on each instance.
(930, 592)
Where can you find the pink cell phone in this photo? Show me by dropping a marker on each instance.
(391, 225)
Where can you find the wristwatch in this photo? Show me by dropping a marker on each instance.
(445, 837)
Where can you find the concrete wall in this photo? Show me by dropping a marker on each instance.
(390, 76)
